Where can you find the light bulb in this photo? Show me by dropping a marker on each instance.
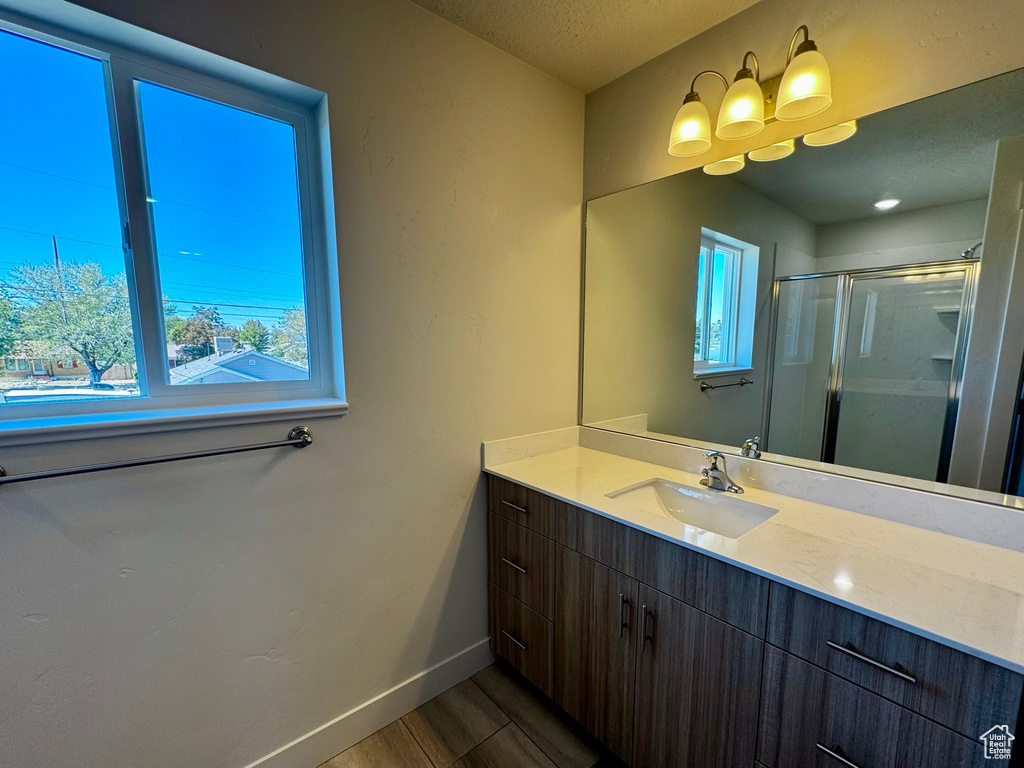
(691, 130)
(742, 113)
(887, 204)
(726, 166)
(806, 87)
(831, 135)
(775, 151)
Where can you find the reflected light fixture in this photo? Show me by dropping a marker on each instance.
(691, 130)
(775, 151)
(726, 166)
(806, 87)
(831, 135)
(742, 113)
(888, 203)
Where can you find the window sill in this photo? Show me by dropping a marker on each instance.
(718, 372)
(55, 429)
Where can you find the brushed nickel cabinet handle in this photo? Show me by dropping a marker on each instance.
(520, 643)
(519, 568)
(516, 507)
(623, 614)
(872, 662)
(836, 756)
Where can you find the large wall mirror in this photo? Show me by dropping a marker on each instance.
(857, 307)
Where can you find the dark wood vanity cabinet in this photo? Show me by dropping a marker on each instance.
(596, 637)
(674, 659)
(697, 688)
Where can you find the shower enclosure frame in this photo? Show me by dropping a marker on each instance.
(840, 333)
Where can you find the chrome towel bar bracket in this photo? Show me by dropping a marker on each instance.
(298, 437)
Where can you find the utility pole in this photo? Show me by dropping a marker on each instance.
(60, 281)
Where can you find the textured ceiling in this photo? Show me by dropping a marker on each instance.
(935, 151)
(585, 43)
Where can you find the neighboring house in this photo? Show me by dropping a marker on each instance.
(28, 366)
(235, 367)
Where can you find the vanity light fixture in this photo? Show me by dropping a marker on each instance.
(742, 113)
(726, 166)
(806, 87)
(775, 151)
(831, 135)
(691, 130)
(887, 204)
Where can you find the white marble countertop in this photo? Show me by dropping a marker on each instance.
(963, 594)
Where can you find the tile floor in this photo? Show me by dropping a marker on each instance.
(492, 720)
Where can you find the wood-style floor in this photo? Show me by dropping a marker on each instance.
(492, 720)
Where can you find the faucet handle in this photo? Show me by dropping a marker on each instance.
(715, 456)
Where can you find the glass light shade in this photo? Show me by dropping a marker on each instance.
(806, 87)
(742, 112)
(831, 135)
(726, 166)
(773, 151)
(691, 130)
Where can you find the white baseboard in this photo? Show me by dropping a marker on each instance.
(342, 732)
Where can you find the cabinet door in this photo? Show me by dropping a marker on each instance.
(697, 688)
(595, 647)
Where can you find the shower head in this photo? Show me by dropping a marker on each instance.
(969, 253)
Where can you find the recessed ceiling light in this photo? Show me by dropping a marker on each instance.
(888, 204)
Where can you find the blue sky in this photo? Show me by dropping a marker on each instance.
(224, 181)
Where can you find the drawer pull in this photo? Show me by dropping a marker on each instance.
(516, 507)
(872, 662)
(519, 568)
(511, 637)
(836, 756)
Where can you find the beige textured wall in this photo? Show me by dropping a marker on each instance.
(881, 54)
(207, 613)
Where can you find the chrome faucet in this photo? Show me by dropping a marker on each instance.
(717, 479)
(751, 448)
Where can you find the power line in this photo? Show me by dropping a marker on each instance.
(224, 264)
(60, 237)
(56, 176)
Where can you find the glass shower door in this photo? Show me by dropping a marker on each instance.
(804, 332)
(899, 372)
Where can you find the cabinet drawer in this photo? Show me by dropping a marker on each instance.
(522, 563)
(813, 719)
(924, 743)
(522, 637)
(525, 506)
(805, 711)
(959, 691)
(724, 591)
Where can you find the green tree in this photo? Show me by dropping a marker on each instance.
(289, 337)
(196, 334)
(9, 334)
(173, 322)
(256, 335)
(74, 310)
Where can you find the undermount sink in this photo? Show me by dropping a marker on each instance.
(714, 511)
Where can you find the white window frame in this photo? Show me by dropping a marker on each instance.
(738, 321)
(160, 404)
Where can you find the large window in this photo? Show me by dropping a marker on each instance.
(162, 245)
(726, 294)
